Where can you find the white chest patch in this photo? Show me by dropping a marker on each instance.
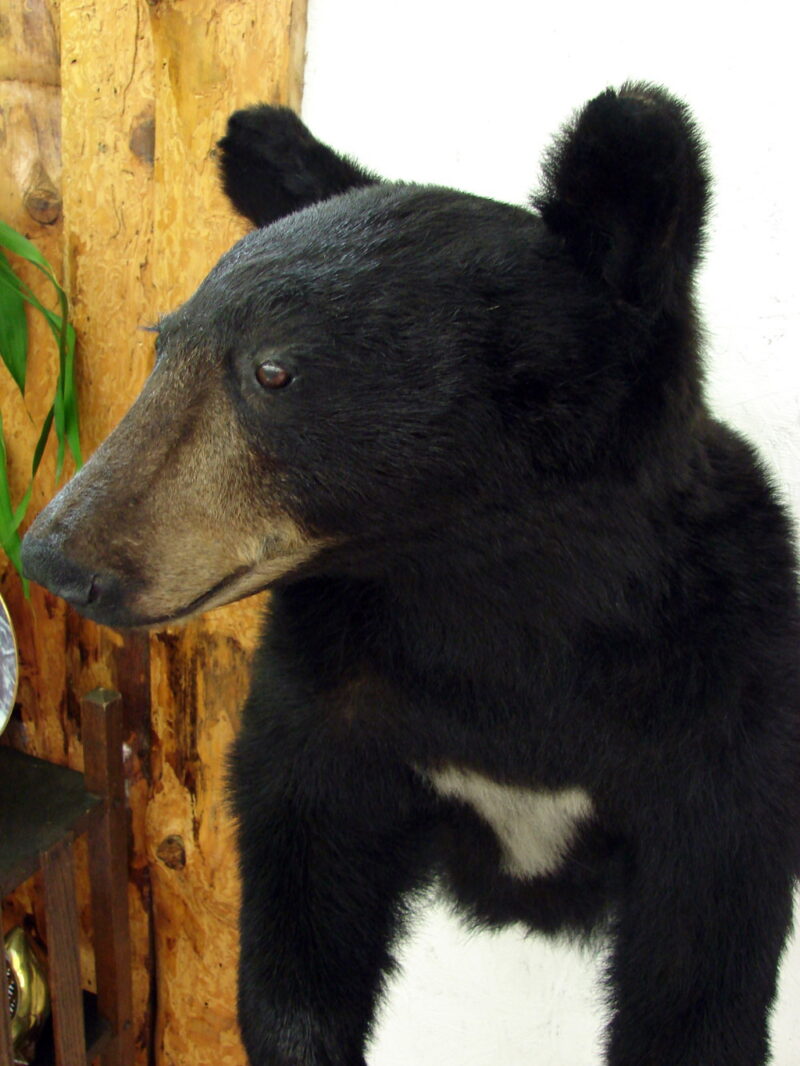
(535, 829)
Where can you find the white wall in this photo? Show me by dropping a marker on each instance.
(467, 93)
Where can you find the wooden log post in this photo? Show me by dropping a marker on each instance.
(63, 962)
(101, 717)
(142, 90)
(107, 139)
(210, 59)
(146, 90)
(30, 181)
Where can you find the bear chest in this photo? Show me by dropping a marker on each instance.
(535, 829)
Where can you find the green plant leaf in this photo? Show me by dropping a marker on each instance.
(13, 325)
(38, 451)
(71, 425)
(63, 414)
(9, 525)
(22, 507)
(25, 249)
(58, 412)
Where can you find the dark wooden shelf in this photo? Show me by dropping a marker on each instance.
(54, 802)
(98, 1034)
(43, 808)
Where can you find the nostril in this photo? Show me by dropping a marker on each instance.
(93, 595)
(102, 589)
(45, 563)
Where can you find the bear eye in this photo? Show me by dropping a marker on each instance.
(271, 376)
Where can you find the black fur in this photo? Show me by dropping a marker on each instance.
(544, 562)
(271, 165)
(626, 184)
(603, 594)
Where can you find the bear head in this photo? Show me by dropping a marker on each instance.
(376, 361)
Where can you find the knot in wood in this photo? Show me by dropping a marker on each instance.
(41, 198)
(172, 852)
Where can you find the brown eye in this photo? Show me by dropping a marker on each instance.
(270, 376)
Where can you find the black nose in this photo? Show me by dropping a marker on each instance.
(44, 562)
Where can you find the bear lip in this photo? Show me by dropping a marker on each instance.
(197, 604)
(119, 616)
(262, 575)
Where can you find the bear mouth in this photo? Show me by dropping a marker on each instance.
(126, 612)
(203, 602)
(121, 597)
(244, 581)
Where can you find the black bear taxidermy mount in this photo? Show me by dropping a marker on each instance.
(534, 625)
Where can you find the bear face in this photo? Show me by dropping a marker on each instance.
(431, 353)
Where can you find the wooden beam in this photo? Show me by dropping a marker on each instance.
(101, 718)
(147, 88)
(63, 963)
(30, 201)
(210, 58)
(107, 136)
(107, 153)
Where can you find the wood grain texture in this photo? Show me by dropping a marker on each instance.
(30, 158)
(63, 962)
(210, 58)
(128, 106)
(101, 718)
(107, 134)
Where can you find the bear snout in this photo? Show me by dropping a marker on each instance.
(95, 594)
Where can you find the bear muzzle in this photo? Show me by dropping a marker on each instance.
(100, 572)
(98, 595)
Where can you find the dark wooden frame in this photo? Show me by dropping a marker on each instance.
(43, 808)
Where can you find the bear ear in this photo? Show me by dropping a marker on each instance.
(271, 165)
(626, 187)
